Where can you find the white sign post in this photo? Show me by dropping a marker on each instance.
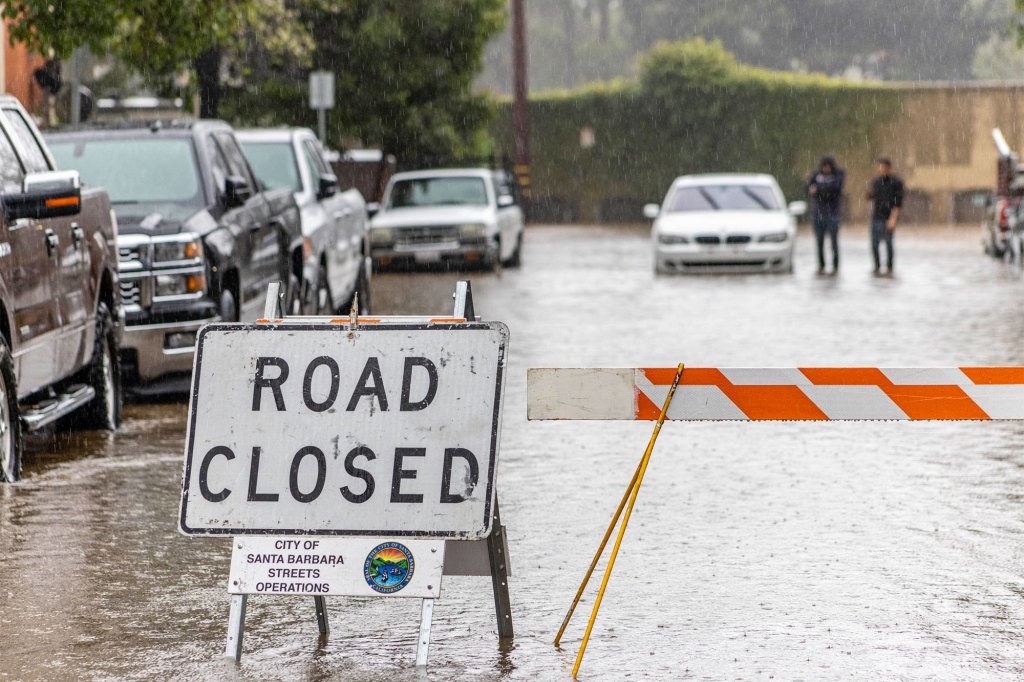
(321, 98)
(342, 454)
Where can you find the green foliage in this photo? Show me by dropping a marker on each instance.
(155, 36)
(694, 109)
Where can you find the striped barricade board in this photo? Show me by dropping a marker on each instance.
(784, 394)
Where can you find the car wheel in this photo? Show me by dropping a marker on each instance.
(10, 419)
(492, 260)
(104, 375)
(228, 307)
(516, 259)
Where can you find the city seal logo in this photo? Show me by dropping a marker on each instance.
(388, 567)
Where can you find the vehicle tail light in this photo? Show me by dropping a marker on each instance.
(1003, 208)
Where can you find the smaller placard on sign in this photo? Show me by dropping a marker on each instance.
(354, 567)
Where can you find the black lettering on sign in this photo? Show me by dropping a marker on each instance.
(204, 471)
(254, 480)
(321, 474)
(408, 405)
(260, 382)
(370, 370)
(398, 474)
(468, 484)
(352, 470)
(307, 384)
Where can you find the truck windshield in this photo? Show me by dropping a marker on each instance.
(438, 192)
(723, 198)
(141, 176)
(274, 164)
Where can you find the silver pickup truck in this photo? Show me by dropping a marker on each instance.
(336, 264)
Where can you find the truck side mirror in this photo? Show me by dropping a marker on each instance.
(328, 185)
(236, 190)
(49, 194)
(506, 200)
(372, 208)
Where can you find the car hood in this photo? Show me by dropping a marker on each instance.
(434, 215)
(156, 224)
(721, 222)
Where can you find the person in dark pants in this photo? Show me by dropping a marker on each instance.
(825, 188)
(886, 194)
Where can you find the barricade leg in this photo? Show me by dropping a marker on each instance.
(499, 576)
(423, 644)
(321, 615)
(236, 627)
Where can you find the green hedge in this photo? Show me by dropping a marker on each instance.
(692, 109)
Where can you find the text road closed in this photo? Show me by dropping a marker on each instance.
(386, 430)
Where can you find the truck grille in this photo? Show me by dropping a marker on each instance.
(131, 258)
(130, 292)
(414, 236)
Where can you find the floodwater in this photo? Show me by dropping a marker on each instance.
(805, 551)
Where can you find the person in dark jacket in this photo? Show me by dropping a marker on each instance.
(886, 194)
(825, 188)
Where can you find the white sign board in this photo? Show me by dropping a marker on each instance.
(352, 567)
(321, 90)
(389, 430)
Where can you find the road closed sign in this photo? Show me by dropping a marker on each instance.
(307, 429)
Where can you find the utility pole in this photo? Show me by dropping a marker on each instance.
(520, 105)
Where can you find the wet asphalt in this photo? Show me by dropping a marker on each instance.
(803, 551)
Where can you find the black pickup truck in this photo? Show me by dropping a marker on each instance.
(60, 316)
(199, 239)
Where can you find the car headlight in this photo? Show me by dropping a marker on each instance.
(774, 237)
(673, 239)
(381, 235)
(472, 231)
(179, 284)
(177, 248)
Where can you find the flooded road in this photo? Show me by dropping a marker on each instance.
(787, 550)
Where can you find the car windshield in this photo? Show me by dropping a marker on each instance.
(723, 198)
(455, 191)
(274, 164)
(141, 176)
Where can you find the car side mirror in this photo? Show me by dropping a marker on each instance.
(651, 211)
(236, 190)
(506, 200)
(49, 194)
(373, 208)
(797, 208)
(328, 185)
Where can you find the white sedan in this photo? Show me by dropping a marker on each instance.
(467, 215)
(730, 222)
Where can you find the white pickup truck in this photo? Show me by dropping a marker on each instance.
(336, 264)
(437, 216)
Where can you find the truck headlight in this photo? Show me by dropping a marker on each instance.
(179, 285)
(472, 231)
(774, 237)
(177, 248)
(381, 235)
(673, 239)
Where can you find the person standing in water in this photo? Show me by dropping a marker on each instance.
(886, 194)
(825, 188)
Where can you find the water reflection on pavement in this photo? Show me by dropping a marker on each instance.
(803, 551)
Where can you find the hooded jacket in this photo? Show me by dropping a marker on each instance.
(829, 186)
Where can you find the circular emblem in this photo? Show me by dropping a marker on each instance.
(388, 567)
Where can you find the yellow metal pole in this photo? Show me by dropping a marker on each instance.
(597, 554)
(625, 519)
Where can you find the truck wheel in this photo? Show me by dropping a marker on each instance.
(323, 302)
(104, 375)
(516, 259)
(228, 307)
(363, 289)
(10, 420)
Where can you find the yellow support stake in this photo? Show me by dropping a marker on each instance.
(598, 553)
(625, 519)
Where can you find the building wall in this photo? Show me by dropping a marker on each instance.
(16, 73)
